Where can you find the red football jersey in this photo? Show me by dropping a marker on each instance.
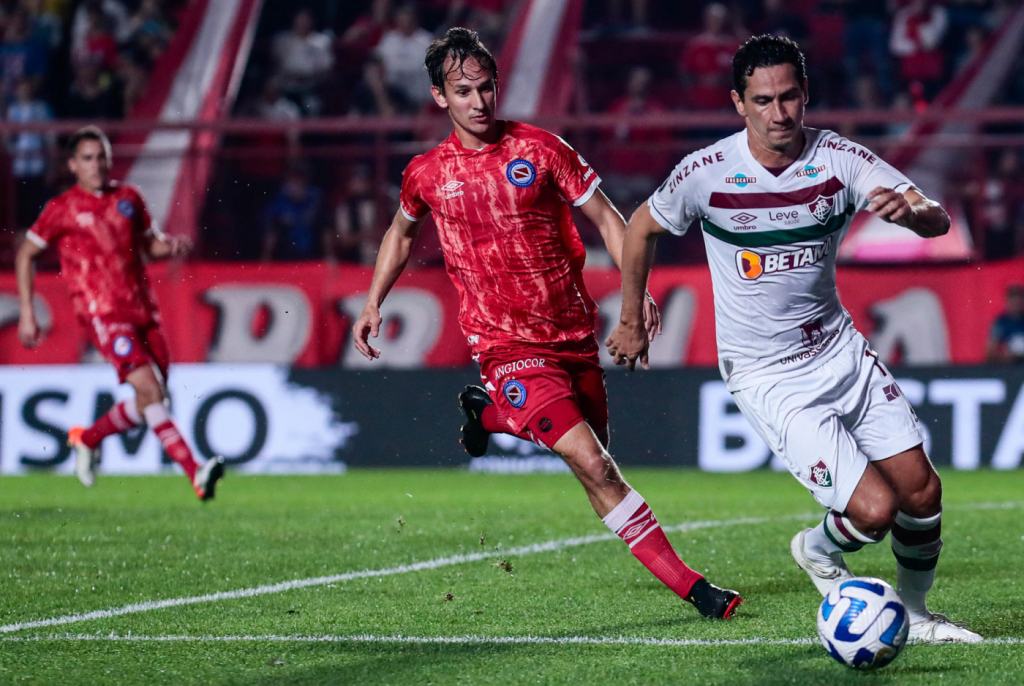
(100, 242)
(510, 246)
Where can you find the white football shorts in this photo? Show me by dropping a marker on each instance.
(827, 423)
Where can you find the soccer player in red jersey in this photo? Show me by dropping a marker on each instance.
(101, 231)
(500, 193)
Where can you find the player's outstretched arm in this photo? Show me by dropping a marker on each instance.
(24, 265)
(162, 246)
(910, 209)
(629, 341)
(391, 260)
(600, 210)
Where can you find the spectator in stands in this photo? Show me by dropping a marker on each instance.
(150, 29)
(486, 17)
(916, 40)
(866, 39)
(115, 15)
(365, 33)
(975, 39)
(21, 56)
(639, 12)
(30, 153)
(355, 238)
(293, 221)
(93, 94)
(637, 159)
(98, 43)
(402, 49)
(777, 20)
(133, 73)
(273, 106)
(375, 97)
(706, 62)
(1006, 343)
(304, 59)
(44, 24)
(999, 199)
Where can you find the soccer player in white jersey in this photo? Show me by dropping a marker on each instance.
(774, 202)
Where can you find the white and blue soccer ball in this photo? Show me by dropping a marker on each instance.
(862, 623)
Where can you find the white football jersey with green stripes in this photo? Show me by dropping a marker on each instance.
(772, 244)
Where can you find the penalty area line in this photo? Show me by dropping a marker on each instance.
(446, 640)
(548, 546)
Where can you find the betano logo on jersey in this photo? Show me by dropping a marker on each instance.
(521, 173)
(752, 265)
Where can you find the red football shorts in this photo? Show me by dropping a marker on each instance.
(545, 391)
(130, 346)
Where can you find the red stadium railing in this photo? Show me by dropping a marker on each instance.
(258, 152)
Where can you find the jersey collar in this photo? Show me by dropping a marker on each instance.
(810, 144)
(460, 148)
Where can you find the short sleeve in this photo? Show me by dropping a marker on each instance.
(413, 206)
(46, 228)
(865, 172)
(676, 205)
(574, 176)
(146, 224)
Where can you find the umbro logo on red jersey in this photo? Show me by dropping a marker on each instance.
(452, 189)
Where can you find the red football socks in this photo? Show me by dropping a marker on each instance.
(493, 421)
(164, 428)
(121, 417)
(635, 523)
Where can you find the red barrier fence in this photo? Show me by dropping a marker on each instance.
(300, 314)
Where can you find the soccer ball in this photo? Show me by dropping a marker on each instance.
(862, 623)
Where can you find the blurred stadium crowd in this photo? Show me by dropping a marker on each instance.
(295, 192)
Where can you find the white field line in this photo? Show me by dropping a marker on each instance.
(549, 546)
(444, 640)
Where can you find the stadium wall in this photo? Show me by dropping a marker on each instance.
(299, 314)
(268, 418)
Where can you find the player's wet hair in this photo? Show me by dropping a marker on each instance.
(88, 133)
(460, 44)
(766, 51)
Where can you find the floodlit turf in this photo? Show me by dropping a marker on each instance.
(65, 550)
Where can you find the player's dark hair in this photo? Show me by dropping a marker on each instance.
(766, 51)
(87, 133)
(460, 44)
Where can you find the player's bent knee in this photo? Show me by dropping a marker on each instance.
(926, 501)
(593, 467)
(874, 516)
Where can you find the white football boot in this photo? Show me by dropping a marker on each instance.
(824, 577)
(87, 460)
(934, 627)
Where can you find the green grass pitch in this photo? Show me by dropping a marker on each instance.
(65, 550)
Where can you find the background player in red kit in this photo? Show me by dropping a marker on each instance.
(500, 193)
(102, 230)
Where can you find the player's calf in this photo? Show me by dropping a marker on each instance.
(634, 522)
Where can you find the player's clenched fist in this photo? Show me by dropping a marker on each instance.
(367, 325)
(889, 205)
(627, 344)
(28, 330)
